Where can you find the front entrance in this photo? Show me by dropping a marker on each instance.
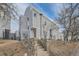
(34, 32)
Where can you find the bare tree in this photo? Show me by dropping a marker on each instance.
(68, 18)
(8, 11)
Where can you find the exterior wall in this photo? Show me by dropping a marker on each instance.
(39, 24)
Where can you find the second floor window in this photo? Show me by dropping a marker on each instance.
(34, 14)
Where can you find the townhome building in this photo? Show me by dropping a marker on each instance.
(35, 24)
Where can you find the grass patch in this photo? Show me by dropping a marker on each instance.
(12, 48)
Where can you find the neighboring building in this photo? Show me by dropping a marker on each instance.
(4, 25)
(34, 24)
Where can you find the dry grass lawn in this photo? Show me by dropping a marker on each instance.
(11, 48)
(59, 48)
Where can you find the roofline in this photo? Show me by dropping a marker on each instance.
(50, 19)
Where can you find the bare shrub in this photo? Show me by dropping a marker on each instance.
(59, 48)
(29, 44)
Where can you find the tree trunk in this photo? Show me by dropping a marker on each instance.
(66, 36)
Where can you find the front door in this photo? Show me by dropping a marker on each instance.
(34, 32)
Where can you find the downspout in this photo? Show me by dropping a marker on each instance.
(40, 26)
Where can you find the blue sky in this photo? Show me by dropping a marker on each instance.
(48, 9)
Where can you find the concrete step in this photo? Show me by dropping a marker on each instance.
(41, 51)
